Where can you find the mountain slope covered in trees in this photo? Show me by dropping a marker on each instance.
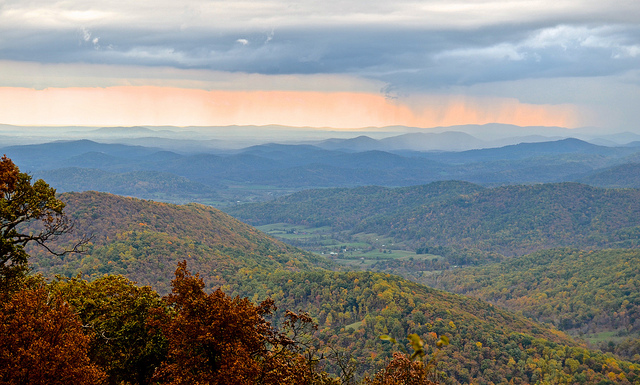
(144, 240)
(510, 220)
(488, 344)
(621, 176)
(154, 185)
(586, 292)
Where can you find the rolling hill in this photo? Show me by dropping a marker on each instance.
(488, 344)
(621, 176)
(592, 294)
(509, 220)
(154, 185)
(144, 240)
(583, 291)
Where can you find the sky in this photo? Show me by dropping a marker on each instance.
(341, 64)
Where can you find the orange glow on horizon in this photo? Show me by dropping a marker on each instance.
(158, 106)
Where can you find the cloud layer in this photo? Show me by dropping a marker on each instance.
(404, 47)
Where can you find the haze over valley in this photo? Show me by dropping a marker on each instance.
(251, 164)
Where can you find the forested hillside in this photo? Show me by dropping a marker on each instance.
(156, 185)
(488, 344)
(584, 292)
(144, 240)
(345, 208)
(510, 220)
(624, 175)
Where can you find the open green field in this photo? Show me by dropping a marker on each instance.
(369, 259)
(286, 230)
(324, 240)
(614, 336)
(362, 251)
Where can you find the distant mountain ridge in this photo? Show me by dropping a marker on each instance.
(273, 169)
(527, 150)
(43, 156)
(235, 136)
(357, 144)
(446, 141)
(124, 131)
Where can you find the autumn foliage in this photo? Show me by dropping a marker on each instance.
(114, 313)
(403, 371)
(42, 342)
(215, 339)
(108, 330)
(8, 175)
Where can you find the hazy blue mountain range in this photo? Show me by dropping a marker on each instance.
(263, 171)
(446, 141)
(154, 185)
(236, 137)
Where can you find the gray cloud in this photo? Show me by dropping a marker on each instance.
(412, 46)
(401, 56)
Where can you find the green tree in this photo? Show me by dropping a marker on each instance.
(114, 313)
(29, 212)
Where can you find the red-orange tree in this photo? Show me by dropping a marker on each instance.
(41, 342)
(402, 370)
(215, 339)
(405, 369)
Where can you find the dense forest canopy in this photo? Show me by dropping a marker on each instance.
(510, 220)
(573, 289)
(583, 292)
(143, 240)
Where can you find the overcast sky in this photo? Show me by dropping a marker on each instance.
(422, 63)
